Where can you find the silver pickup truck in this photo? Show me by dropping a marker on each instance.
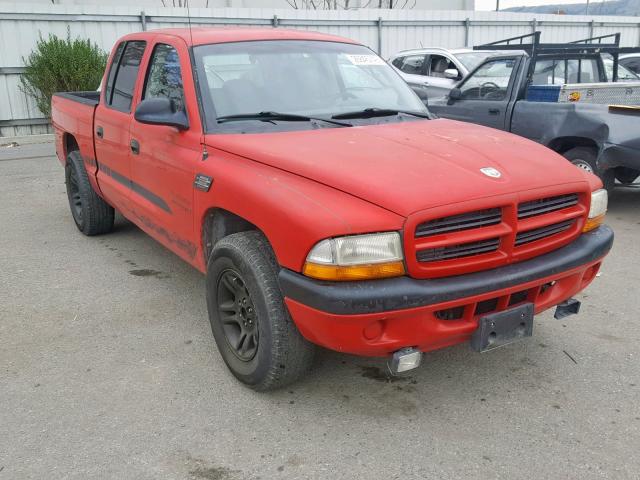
(557, 95)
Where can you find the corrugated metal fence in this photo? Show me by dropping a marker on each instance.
(386, 31)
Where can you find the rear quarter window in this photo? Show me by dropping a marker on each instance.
(120, 95)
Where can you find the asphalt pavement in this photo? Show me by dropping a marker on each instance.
(108, 370)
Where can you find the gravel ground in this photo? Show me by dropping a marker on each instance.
(108, 370)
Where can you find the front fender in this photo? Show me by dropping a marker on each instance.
(293, 212)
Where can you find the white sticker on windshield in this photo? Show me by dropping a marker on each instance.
(365, 59)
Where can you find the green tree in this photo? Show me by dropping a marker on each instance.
(59, 65)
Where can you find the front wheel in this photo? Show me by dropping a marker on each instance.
(251, 324)
(586, 159)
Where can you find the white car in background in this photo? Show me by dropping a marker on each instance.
(631, 61)
(432, 72)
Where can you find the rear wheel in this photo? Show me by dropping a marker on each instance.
(586, 159)
(626, 176)
(91, 214)
(251, 324)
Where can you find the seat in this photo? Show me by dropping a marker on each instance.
(439, 66)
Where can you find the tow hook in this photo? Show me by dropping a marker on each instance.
(566, 308)
(404, 360)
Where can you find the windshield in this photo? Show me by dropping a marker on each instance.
(309, 78)
(623, 72)
(472, 59)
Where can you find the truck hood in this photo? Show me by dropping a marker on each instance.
(408, 166)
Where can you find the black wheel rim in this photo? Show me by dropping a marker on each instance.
(237, 315)
(75, 199)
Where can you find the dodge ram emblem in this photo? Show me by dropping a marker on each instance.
(491, 172)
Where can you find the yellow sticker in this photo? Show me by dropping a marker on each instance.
(574, 96)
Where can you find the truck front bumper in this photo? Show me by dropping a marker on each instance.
(377, 317)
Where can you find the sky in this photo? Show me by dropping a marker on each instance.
(491, 4)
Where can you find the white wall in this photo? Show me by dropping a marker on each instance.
(415, 4)
(20, 25)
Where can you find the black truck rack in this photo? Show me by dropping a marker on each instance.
(587, 48)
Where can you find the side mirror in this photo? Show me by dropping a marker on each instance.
(451, 73)
(161, 111)
(454, 94)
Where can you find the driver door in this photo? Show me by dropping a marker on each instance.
(485, 95)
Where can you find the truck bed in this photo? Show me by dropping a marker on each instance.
(91, 97)
(72, 114)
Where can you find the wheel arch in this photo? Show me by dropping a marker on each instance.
(218, 223)
(69, 143)
(564, 144)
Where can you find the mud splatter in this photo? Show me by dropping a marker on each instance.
(146, 272)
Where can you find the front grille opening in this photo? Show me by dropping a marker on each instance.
(457, 223)
(518, 297)
(542, 232)
(486, 306)
(546, 205)
(458, 251)
(454, 313)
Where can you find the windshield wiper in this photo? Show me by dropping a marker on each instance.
(377, 112)
(285, 117)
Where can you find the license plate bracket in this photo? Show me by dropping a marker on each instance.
(501, 328)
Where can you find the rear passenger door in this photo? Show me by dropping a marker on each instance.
(112, 120)
(163, 164)
(412, 69)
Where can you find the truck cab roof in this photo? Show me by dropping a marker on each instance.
(208, 35)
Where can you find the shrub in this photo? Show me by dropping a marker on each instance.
(58, 65)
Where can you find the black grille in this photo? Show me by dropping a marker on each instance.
(546, 205)
(458, 251)
(542, 232)
(454, 313)
(456, 223)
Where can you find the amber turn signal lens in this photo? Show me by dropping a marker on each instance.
(593, 223)
(337, 273)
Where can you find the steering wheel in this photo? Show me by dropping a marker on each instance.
(492, 85)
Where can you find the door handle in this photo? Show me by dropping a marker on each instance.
(135, 146)
(99, 131)
(494, 111)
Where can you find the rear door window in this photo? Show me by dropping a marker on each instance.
(413, 64)
(121, 95)
(112, 72)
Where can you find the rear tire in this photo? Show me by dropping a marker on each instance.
(250, 322)
(586, 159)
(626, 176)
(91, 214)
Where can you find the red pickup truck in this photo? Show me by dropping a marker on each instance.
(323, 201)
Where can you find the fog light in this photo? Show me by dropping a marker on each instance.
(404, 360)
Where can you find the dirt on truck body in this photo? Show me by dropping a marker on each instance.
(323, 201)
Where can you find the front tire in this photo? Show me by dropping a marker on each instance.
(251, 324)
(91, 214)
(586, 159)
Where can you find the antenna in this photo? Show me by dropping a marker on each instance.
(186, 4)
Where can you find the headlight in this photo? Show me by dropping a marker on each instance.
(599, 200)
(356, 257)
